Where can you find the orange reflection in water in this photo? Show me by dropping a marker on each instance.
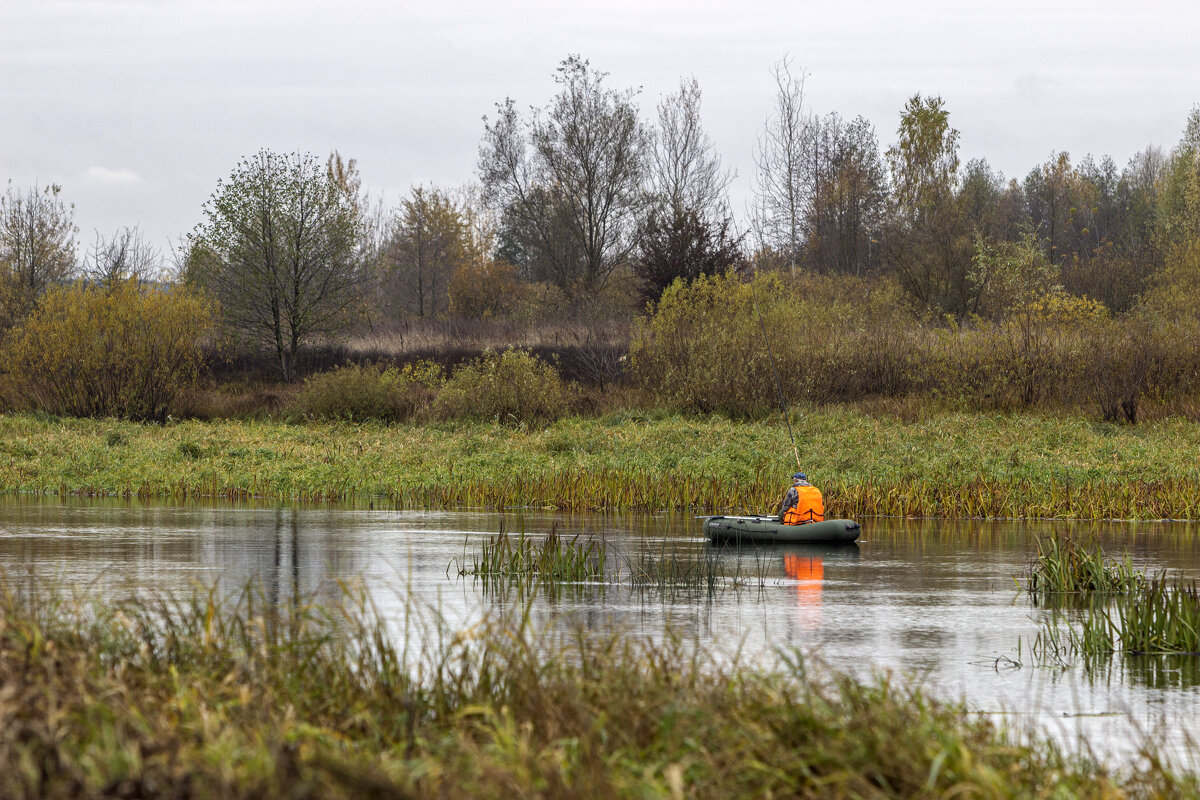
(809, 574)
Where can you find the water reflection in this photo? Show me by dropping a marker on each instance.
(931, 599)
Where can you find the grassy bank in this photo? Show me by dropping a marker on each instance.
(157, 698)
(950, 465)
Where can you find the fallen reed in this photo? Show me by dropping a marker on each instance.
(204, 697)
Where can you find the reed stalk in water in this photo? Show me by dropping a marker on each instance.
(1064, 565)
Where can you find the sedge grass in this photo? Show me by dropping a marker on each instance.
(202, 698)
(1125, 612)
(950, 466)
(528, 563)
(1163, 617)
(1064, 565)
(551, 562)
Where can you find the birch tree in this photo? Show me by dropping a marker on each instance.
(777, 216)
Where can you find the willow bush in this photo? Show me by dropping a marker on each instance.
(708, 345)
(719, 344)
(703, 349)
(123, 351)
(512, 387)
(357, 392)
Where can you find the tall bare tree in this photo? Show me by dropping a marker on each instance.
(571, 176)
(37, 247)
(686, 171)
(777, 216)
(281, 250)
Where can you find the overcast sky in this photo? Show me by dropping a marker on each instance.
(138, 107)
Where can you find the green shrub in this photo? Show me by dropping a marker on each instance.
(510, 387)
(124, 351)
(355, 392)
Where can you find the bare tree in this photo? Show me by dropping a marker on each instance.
(777, 216)
(281, 250)
(37, 247)
(687, 174)
(123, 256)
(571, 177)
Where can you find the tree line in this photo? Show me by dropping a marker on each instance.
(585, 205)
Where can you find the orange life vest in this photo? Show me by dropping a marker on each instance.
(810, 507)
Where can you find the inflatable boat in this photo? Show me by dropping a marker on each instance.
(770, 530)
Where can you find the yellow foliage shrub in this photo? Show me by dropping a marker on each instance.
(125, 351)
(485, 288)
(511, 387)
(355, 392)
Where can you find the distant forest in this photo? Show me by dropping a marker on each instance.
(583, 209)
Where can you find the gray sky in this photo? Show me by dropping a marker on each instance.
(137, 107)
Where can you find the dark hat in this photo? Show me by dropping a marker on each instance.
(799, 476)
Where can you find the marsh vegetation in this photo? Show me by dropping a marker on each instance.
(243, 698)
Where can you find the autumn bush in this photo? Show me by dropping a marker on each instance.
(509, 387)
(122, 351)
(704, 348)
(835, 339)
(719, 344)
(485, 288)
(370, 391)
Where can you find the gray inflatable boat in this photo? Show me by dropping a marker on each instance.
(770, 530)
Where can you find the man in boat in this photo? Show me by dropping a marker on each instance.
(802, 503)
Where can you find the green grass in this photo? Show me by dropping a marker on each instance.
(1064, 565)
(1160, 618)
(530, 563)
(1125, 612)
(199, 698)
(949, 465)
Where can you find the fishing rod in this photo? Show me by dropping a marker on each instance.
(774, 371)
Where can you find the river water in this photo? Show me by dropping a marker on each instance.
(932, 601)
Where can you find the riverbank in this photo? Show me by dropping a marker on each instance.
(174, 697)
(946, 465)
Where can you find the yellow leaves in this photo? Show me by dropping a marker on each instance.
(124, 351)
(1056, 305)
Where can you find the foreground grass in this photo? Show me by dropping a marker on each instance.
(196, 698)
(950, 465)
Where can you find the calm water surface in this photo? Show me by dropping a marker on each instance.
(932, 601)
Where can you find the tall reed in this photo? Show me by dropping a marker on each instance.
(530, 563)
